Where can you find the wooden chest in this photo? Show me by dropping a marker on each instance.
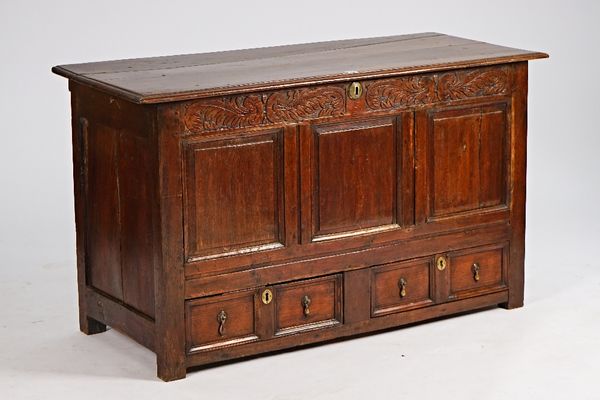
(234, 203)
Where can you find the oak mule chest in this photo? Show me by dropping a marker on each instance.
(235, 203)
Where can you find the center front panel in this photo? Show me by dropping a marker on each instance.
(355, 168)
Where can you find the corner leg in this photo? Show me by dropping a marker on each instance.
(515, 300)
(169, 371)
(516, 257)
(90, 326)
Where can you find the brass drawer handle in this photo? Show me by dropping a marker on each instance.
(402, 284)
(221, 318)
(306, 304)
(475, 268)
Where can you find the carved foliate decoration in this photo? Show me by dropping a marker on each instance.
(473, 83)
(224, 113)
(400, 92)
(301, 104)
(286, 106)
(295, 105)
(415, 90)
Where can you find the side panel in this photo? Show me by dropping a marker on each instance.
(103, 224)
(117, 183)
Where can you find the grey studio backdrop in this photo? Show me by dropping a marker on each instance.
(549, 349)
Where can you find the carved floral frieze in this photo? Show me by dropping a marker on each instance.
(288, 106)
(415, 90)
(296, 105)
(473, 83)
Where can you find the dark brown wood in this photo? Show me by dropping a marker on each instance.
(401, 286)
(464, 153)
(357, 287)
(169, 278)
(489, 263)
(228, 210)
(116, 197)
(309, 304)
(345, 262)
(354, 178)
(343, 331)
(121, 317)
(87, 325)
(202, 75)
(284, 196)
(518, 162)
(220, 321)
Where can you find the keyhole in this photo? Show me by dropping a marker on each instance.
(267, 296)
(355, 90)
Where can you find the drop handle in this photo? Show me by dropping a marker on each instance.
(221, 318)
(475, 269)
(306, 304)
(402, 285)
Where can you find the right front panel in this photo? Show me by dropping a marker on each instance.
(462, 162)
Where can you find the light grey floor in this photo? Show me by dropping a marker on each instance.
(549, 349)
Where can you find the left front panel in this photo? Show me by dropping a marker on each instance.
(234, 195)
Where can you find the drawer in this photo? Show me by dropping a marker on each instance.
(477, 270)
(307, 305)
(400, 286)
(221, 321)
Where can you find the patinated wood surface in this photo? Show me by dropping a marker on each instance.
(284, 196)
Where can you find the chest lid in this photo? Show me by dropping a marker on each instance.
(184, 77)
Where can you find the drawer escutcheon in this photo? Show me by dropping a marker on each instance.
(267, 296)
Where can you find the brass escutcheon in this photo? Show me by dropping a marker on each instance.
(441, 263)
(355, 90)
(267, 296)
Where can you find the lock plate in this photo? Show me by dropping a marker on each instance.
(355, 90)
(441, 263)
(266, 296)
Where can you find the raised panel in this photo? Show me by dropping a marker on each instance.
(355, 177)
(103, 240)
(234, 195)
(136, 193)
(465, 160)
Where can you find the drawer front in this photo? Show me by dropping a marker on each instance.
(477, 270)
(400, 286)
(307, 305)
(221, 321)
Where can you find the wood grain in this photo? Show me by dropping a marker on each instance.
(268, 176)
(387, 288)
(324, 305)
(203, 322)
(157, 79)
(355, 176)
